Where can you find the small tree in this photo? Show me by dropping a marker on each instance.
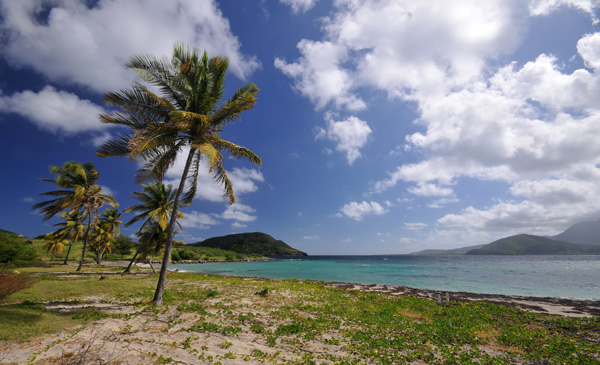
(123, 246)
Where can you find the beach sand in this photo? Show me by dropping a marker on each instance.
(141, 337)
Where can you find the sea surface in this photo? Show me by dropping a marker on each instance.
(574, 277)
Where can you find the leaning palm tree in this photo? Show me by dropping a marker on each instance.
(79, 193)
(152, 239)
(185, 117)
(156, 205)
(106, 231)
(71, 228)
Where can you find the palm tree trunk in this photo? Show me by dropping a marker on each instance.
(160, 286)
(68, 252)
(85, 242)
(132, 260)
(99, 254)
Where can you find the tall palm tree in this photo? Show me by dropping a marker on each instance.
(156, 205)
(187, 115)
(71, 228)
(106, 231)
(79, 193)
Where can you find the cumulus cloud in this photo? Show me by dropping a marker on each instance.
(350, 135)
(299, 6)
(244, 180)
(544, 7)
(358, 211)
(318, 75)
(88, 45)
(239, 212)
(53, 110)
(199, 220)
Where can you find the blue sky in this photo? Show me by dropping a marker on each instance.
(384, 127)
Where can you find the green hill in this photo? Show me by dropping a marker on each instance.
(251, 243)
(454, 251)
(524, 244)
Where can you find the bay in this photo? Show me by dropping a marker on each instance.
(573, 277)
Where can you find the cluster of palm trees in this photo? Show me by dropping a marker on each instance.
(184, 117)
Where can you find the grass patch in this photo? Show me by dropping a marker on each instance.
(24, 322)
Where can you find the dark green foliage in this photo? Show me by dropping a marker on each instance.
(15, 252)
(123, 246)
(258, 243)
(524, 244)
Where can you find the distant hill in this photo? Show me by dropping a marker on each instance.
(454, 251)
(10, 233)
(583, 232)
(524, 244)
(248, 243)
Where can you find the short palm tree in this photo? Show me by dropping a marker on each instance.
(187, 115)
(106, 231)
(79, 193)
(72, 228)
(156, 205)
(55, 244)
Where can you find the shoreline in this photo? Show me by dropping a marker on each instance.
(565, 307)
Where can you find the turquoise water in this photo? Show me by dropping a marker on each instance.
(575, 277)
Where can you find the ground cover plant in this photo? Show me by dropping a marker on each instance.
(231, 320)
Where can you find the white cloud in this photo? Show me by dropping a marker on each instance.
(107, 190)
(238, 225)
(425, 189)
(350, 135)
(544, 7)
(319, 76)
(88, 46)
(589, 49)
(196, 219)
(299, 6)
(239, 212)
(243, 179)
(358, 211)
(29, 199)
(54, 111)
(311, 237)
(415, 226)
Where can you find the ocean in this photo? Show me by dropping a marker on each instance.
(573, 277)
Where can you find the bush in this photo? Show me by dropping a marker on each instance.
(13, 252)
(175, 256)
(188, 255)
(11, 283)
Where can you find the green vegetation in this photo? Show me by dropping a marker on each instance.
(302, 322)
(78, 194)
(187, 115)
(524, 244)
(16, 250)
(251, 243)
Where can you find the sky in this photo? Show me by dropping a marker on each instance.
(384, 127)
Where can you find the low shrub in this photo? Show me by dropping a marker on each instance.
(11, 283)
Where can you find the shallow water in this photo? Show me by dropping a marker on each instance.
(574, 277)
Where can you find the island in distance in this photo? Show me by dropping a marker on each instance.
(580, 239)
(251, 243)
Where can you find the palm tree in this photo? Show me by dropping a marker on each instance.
(55, 244)
(156, 205)
(186, 116)
(106, 231)
(71, 228)
(79, 194)
(152, 239)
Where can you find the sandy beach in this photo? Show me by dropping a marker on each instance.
(137, 336)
